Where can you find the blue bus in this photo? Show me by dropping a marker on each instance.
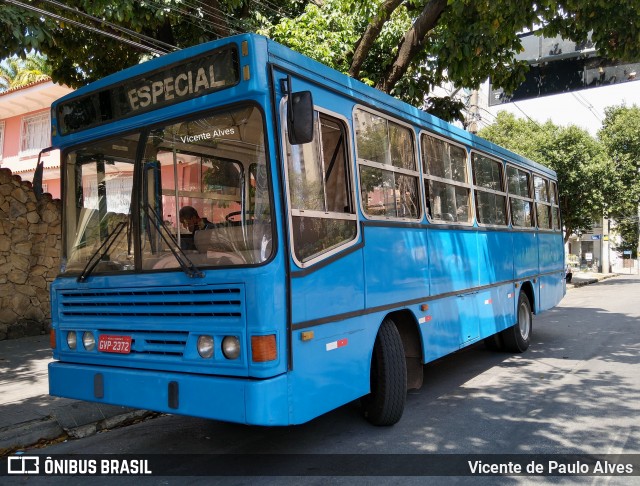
(250, 236)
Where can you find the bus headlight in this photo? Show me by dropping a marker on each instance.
(72, 339)
(231, 347)
(88, 341)
(205, 346)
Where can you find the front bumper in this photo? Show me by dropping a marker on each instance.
(241, 400)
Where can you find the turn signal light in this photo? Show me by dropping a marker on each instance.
(52, 339)
(263, 348)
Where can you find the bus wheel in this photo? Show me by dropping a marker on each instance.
(385, 404)
(517, 338)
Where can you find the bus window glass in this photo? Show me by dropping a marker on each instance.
(447, 185)
(322, 212)
(555, 210)
(198, 190)
(520, 200)
(388, 172)
(97, 225)
(444, 160)
(491, 200)
(449, 203)
(542, 189)
(401, 144)
(373, 137)
(518, 182)
(543, 208)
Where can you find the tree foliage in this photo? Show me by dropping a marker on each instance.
(15, 72)
(586, 175)
(620, 134)
(78, 56)
(403, 47)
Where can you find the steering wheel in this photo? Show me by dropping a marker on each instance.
(229, 217)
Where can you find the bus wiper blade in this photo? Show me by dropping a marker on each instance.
(102, 251)
(186, 264)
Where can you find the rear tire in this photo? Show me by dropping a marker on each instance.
(517, 338)
(385, 404)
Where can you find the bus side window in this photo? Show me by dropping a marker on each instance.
(446, 180)
(319, 182)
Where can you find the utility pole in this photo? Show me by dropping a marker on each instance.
(473, 112)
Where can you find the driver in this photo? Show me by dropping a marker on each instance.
(190, 219)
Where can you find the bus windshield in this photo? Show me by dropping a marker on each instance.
(198, 185)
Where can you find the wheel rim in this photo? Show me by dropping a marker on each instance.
(524, 320)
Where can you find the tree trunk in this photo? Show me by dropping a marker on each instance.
(412, 43)
(363, 46)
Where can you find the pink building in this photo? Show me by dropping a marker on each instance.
(25, 129)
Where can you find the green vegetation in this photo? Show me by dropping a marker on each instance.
(403, 47)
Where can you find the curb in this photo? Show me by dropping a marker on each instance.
(592, 280)
(33, 432)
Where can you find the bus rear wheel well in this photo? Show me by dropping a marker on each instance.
(527, 289)
(408, 328)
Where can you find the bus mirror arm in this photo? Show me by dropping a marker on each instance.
(299, 114)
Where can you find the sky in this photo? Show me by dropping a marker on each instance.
(584, 108)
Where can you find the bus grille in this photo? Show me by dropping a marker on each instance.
(142, 304)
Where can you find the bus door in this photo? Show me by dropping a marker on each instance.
(326, 270)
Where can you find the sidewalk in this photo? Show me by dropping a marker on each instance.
(28, 414)
(585, 278)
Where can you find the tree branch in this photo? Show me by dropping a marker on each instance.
(363, 46)
(412, 43)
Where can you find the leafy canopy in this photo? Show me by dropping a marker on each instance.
(620, 134)
(586, 174)
(403, 47)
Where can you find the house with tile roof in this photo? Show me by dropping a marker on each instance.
(25, 129)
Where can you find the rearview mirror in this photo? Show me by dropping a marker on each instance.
(300, 118)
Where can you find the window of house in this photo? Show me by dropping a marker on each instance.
(491, 198)
(447, 180)
(520, 199)
(387, 164)
(323, 216)
(36, 133)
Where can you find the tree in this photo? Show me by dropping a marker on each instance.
(403, 47)
(586, 175)
(15, 72)
(122, 33)
(620, 135)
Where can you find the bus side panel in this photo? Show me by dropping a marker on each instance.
(396, 266)
(496, 309)
(331, 368)
(552, 285)
(441, 332)
(495, 259)
(525, 254)
(327, 291)
(453, 256)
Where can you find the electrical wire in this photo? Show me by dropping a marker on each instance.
(86, 27)
(160, 44)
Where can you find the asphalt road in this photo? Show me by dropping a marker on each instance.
(575, 391)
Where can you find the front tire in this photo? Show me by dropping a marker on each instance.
(385, 404)
(517, 338)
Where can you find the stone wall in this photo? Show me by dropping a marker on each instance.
(30, 246)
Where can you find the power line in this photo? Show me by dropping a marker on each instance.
(142, 37)
(86, 27)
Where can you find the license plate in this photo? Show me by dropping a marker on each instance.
(114, 344)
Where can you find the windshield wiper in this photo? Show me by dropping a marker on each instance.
(187, 265)
(102, 251)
